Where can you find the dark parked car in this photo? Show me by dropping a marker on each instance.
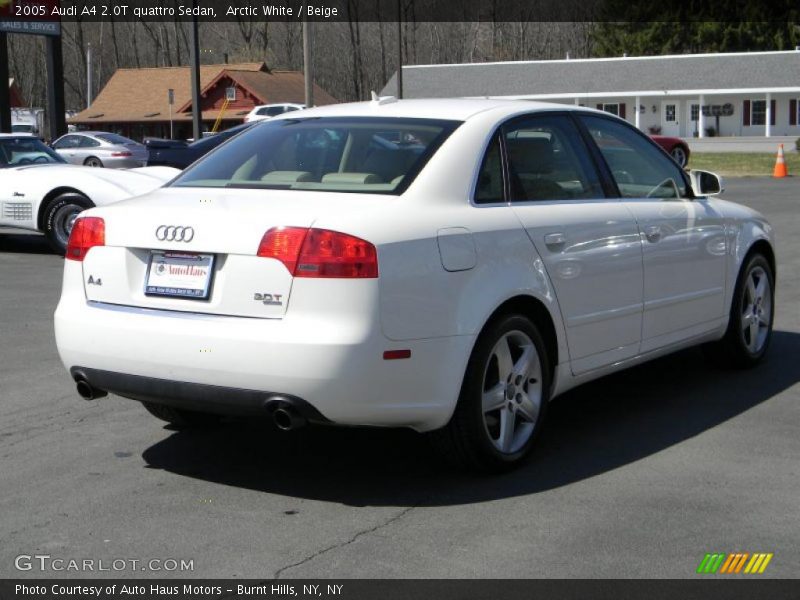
(180, 154)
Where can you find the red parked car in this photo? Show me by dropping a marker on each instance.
(677, 148)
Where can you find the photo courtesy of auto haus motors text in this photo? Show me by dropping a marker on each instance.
(186, 590)
(398, 299)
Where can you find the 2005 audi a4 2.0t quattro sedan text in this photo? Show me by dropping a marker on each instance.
(444, 265)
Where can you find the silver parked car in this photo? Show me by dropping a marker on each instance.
(101, 149)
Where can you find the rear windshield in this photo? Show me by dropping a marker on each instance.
(113, 138)
(335, 154)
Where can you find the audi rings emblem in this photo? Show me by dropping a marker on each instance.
(174, 233)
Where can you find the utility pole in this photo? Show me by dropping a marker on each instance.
(89, 75)
(171, 101)
(55, 86)
(308, 67)
(5, 95)
(195, 69)
(399, 51)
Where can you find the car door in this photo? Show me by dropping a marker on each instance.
(683, 238)
(589, 243)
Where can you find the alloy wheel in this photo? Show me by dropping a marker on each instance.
(512, 392)
(756, 310)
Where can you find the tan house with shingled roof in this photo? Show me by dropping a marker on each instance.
(135, 102)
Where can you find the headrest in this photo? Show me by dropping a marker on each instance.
(531, 154)
(351, 178)
(287, 177)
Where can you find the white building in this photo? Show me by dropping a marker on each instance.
(743, 94)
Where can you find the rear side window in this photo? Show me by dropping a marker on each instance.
(489, 188)
(335, 154)
(271, 111)
(87, 142)
(547, 160)
(640, 169)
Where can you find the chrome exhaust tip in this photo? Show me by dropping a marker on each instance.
(286, 419)
(87, 391)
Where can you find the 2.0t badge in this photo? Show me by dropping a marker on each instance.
(269, 299)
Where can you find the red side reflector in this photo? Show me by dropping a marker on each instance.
(320, 253)
(87, 232)
(396, 354)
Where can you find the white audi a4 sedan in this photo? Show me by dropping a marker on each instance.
(444, 265)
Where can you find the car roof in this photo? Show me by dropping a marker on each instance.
(92, 133)
(278, 104)
(459, 109)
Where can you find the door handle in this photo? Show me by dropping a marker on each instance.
(554, 239)
(652, 233)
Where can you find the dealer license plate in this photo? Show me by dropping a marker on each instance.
(180, 275)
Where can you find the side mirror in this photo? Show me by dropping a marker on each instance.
(705, 183)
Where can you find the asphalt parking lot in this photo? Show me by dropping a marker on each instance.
(638, 475)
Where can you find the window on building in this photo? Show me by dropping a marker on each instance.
(612, 107)
(758, 114)
(695, 112)
(230, 94)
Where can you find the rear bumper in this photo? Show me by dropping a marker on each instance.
(195, 396)
(123, 163)
(232, 365)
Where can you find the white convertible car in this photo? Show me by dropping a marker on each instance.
(444, 265)
(39, 191)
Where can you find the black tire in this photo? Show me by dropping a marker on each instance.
(59, 213)
(182, 419)
(93, 161)
(466, 441)
(736, 348)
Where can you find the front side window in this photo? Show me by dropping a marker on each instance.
(640, 169)
(547, 160)
(333, 154)
(68, 141)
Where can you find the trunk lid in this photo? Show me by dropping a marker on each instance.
(173, 229)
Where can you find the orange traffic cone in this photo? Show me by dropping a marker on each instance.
(780, 164)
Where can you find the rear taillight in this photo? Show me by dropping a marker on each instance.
(87, 232)
(120, 154)
(320, 253)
